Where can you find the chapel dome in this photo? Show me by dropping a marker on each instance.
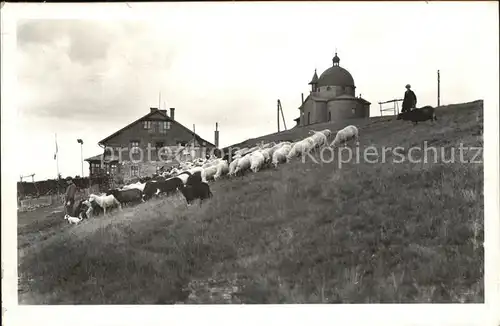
(335, 75)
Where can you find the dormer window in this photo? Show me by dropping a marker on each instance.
(134, 146)
(146, 124)
(163, 127)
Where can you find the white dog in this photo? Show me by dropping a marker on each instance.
(72, 220)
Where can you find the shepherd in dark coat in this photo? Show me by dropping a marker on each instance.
(70, 196)
(410, 99)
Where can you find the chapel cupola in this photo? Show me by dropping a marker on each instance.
(314, 81)
(336, 60)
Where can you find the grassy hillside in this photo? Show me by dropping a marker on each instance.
(304, 233)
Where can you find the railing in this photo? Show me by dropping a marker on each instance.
(394, 109)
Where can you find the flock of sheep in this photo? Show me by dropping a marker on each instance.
(192, 178)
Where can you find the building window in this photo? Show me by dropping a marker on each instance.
(153, 127)
(168, 125)
(162, 127)
(308, 118)
(134, 170)
(94, 168)
(113, 168)
(134, 145)
(146, 124)
(329, 116)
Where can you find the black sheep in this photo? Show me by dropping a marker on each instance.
(81, 208)
(168, 187)
(84, 205)
(418, 115)
(194, 179)
(126, 196)
(199, 191)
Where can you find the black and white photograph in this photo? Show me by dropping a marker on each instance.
(251, 153)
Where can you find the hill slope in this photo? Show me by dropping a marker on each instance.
(303, 233)
(302, 132)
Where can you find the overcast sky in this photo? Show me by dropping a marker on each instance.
(230, 62)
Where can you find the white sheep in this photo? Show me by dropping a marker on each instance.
(241, 151)
(208, 173)
(268, 145)
(257, 160)
(251, 150)
(346, 134)
(279, 145)
(232, 166)
(105, 201)
(300, 147)
(327, 133)
(268, 154)
(243, 164)
(72, 220)
(222, 169)
(320, 139)
(279, 155)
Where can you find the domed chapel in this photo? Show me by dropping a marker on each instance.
(332, 98)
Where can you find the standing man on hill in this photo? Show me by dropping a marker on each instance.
(70, 196)
(410, 100)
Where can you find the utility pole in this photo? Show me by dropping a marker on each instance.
(280, 108)
(439, 90)
(56, 156)
(81, 152)
(278, 115)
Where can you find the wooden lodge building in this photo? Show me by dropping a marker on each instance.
(168, 141)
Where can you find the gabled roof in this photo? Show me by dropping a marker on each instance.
(94, 158)
(363, 100)
(307, 98)
(164, 115)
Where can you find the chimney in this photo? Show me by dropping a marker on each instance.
(172, 113)
(216, 140)
(153, 109)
